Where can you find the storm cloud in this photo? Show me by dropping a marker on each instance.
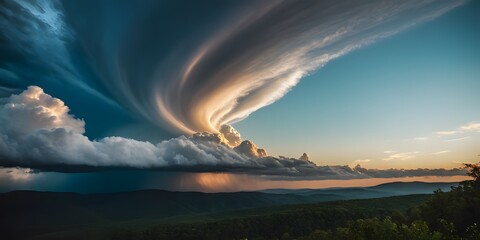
(37, 131)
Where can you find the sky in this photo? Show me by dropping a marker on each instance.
(395, 96)
(228, 95)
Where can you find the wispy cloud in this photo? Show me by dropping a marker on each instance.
(446, 133)
(469, 127)
(456, 139)
(401, 156)
(389, 151)
(362, 161)
(359, 161)
(420, 139)
(221, 77)
(473, 126)
(441, 152)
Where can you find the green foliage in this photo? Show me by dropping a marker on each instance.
(288, 225)
(446, 216)
(473, 170)
(375, 229)
(452, 213)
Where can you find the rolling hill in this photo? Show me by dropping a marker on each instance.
(29, 213)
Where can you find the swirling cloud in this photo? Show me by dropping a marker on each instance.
(202, 67)
(256, 60)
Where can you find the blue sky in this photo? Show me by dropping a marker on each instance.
(376, 98)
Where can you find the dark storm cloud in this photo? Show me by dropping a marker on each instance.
(35, 44)
(89, 182)
(37, 131)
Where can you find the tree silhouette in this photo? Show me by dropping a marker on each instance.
(473, 170)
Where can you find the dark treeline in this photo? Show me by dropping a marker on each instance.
(445, 215)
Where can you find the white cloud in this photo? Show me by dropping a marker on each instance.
(231, 136)
(456, 139)
(33, 109)
(389, 151)
(401, 156)
(249, 149)
(446, 133)
(362, 161)
(37, 132)
(469, 127)
(441, 152)
(420, 139)
(36, 129)
(473, 126)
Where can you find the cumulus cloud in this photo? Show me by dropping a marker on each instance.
(249, 148)
(37, 131)
(304, 157)
(33, 109)
(231, 136)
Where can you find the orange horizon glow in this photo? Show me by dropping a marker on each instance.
(227, 182)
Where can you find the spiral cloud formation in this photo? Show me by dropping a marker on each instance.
(186, 67)
(200, 68)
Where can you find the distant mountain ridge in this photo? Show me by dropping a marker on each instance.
(161, 204)
(41, 212)
(382, 190)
